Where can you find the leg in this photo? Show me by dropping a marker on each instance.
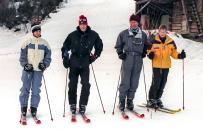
(25, 90)
(85, 91)
(126, 73)
(135, 76)
(36, 85)
(164, 77)
(134, 81)
(156, 81)
(72, 92)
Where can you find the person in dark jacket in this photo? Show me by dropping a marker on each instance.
(80, 43)
(131, 48)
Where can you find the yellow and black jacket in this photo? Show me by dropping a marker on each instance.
(163, 52)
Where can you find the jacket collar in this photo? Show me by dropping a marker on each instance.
(168, 39)
(35, 38)
(138, 35)
(81, 32)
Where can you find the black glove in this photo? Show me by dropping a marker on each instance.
(122, 55)
(143, 54)
(182, 55)
(28, 67)
(66, 63)
(42, 66)
(93, 57)
(151, 55)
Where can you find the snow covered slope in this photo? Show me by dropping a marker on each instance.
(108, 18)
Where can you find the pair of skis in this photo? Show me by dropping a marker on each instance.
(84, 117)
(23, 120)
(163, 109)
(135, 113)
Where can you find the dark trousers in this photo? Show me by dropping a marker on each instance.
(73, 82)
(159, 80)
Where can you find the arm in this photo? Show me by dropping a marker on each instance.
(98, 46)
(119, 44)
(47, 55)
(66, 48)
(174, 53)
(23, 54)
(147, 44)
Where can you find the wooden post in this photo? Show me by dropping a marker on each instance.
(185, 26)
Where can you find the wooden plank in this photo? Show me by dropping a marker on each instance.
(176, 28)
(194, 30)
(177, 31)
(176, 24)
(193, 27)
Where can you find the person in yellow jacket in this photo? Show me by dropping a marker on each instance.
(161, 51)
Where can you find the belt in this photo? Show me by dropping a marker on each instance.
(133, 53)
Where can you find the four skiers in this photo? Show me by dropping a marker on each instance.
(132, 46)
(35, 57)
(80, 43)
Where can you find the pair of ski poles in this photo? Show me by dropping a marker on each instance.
(97, 91)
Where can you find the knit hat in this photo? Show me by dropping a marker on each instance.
(134, 17)
(35, 27)
(82, 20)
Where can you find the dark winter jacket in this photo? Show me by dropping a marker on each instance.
(81, 44)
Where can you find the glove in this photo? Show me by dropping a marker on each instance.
(66, 63)
(122, 55)
(93, 57)
(42, 66)
(28, 67)
(151, 55)
(182, 55)
(143, 55)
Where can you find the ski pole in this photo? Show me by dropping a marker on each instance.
(145, 85)
(183, 85)
(117, 90)
(145, 82)
(98, 88)
(64, 107)
(47, 97)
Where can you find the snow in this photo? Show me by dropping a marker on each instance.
(108, 18)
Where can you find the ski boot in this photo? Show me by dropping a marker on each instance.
(82, 109)
(130, 105)
(159, 103)
(121, 105)
(152, 104)
(73, 109)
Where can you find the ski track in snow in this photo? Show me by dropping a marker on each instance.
(108, 18)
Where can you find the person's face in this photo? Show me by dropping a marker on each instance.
(162, 33)
(83, 27)
(134, 24)
(37, 33)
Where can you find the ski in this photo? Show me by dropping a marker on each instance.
(36, 120)
(172, 110)
(168, 109)
(159, 109)
(137, 114)
(23, 120)
(124, 115)
(85, 118)
(73, 118)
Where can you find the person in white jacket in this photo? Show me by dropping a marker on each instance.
(35, 57)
